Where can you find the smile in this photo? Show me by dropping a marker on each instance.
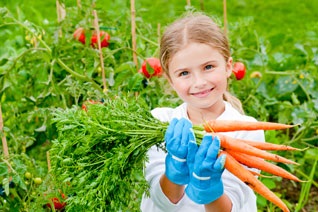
(202, 94)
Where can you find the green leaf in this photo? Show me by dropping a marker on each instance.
(41, 129)
(3, 11)
(285, 84)
(5, 184)
(136, 82)
(270, 183)
(3, 169)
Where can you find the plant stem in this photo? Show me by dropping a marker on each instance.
(79, 76)
(4, 140)
(133, 31)
(100, 50)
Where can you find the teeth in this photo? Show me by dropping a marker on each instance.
(199, 93)
(202, 92)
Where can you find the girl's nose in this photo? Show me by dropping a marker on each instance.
(199, 80)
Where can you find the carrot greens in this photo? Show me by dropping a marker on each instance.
(100, 153)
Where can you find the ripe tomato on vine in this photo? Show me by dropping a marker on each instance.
(151, 67)
(239, 70)
(79, 35)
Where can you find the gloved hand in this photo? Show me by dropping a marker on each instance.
(177, 137)
(205, 184)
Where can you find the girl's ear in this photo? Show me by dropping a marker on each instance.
(229, 67)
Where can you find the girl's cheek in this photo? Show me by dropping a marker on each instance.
(180, 86)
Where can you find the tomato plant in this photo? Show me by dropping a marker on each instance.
(79, 35)
(28, 175)
(151, 67)
(37, 181)
(58, 203)
(239, 70)
(104, 39)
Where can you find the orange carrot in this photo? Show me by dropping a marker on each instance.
(248, 178)
(235, 125)
(270, 146)
(267, 145)
(255, 162)
(232, 144)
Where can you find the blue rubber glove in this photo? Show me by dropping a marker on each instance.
(205, 184)
(177, 137)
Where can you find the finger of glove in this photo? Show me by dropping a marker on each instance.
(170, 137)
(211, 156)
(192, 150)
(178, 145)
(170, 130)
(211, 146)
(214, 148)
(202, 151)
(191, 135)
(186, 131)
(219, 163)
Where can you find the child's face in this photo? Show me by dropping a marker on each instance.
(198, 73)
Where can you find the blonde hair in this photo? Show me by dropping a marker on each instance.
(198, 28)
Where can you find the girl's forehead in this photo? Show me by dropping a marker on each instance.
(194, 48)
(195, 54)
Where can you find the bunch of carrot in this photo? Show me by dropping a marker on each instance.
(111, 141)
(252, 154)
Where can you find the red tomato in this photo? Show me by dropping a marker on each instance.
(84, 107)
(57, 204)
(152, 63)
(104, 38)
(79, 35)
(239, 70)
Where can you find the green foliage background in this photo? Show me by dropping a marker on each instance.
(279, 39)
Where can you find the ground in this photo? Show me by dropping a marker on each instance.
(292, 191)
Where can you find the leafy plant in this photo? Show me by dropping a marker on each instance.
(99, 153)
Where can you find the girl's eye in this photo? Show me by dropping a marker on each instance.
(208, 67)
(183, 73)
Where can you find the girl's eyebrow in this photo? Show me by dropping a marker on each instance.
(209, 62)
(179, 70)
(186, 69)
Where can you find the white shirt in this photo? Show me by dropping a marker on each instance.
(242, 197)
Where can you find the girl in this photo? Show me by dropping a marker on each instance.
(195, 57)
